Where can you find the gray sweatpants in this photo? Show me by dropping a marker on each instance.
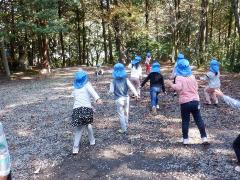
(78, 135)
(122, 104)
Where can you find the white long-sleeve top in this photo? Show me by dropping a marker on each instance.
(130, 86)
(82, 96)
(135, 72)
(212, 79)
(232, 102)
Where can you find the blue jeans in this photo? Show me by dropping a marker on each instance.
(236, 147)
(154, 91)
(193, 108)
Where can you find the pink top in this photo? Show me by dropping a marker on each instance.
(187, 89)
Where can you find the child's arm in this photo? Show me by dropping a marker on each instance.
(207, 77)
(132, 88)
(92, 92)
(140, 72)
(176, 87)
(162, 83)
(173, 74)
(145, 80)
(232, 102)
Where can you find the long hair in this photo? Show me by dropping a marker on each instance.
(135, 65)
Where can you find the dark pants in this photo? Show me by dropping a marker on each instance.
(236, 147)
(193, 108)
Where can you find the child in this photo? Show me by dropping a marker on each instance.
(5, 162)
(156, 85)
(187, 89)
(173, 75)
(236, 104)
(119, 87)
(98, 72)
(82, 116)
(213, 79)
(136, 73)
(147, 63)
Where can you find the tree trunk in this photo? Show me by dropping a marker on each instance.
(13, 33)
(45, 53)
(236, 14)
(202, 31)
(109, 38)
(116, 26)
(146, 13)
(61, 34)
(212, 18)
(104, 34)
(79, 37)
(4, 57)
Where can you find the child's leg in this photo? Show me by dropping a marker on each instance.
(126, 110)
(198, 119)
(90, 134)
(214, 97)
(120, 111)
(77, 136)
(207, 96)
(153, 94)
(138, 86)
(185, 114)
(236, 147)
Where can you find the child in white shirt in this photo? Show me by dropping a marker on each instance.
(213, 79)
(82, 116)
(136, 73)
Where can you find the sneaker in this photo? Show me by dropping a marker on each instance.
(157, 107)
(205, 141)
(154, 110)
(122, 131)
(92, 143)
(237, 168)
(185, 141)
(174, 94)
(75, 150)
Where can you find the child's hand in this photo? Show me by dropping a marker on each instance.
(99, 101)
(168, 82)
(219, 92)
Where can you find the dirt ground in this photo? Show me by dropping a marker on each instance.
(35, 113)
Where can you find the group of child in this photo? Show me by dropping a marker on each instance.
(184, 83)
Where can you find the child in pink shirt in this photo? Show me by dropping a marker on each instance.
(187, 88)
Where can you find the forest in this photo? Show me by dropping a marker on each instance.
(64, 33)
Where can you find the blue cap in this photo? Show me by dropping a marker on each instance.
(155, 67)
(81, 78)
(119, 71)
(183, 68)
(180, 56)
(214, 66)
(136, 60)
(148, 54)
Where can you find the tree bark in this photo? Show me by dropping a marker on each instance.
(4, 57)
(60, 6)
(104, 34)
(45, 53)
(236, 14)
(79, 37)
(202, 30)
(116, 26)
